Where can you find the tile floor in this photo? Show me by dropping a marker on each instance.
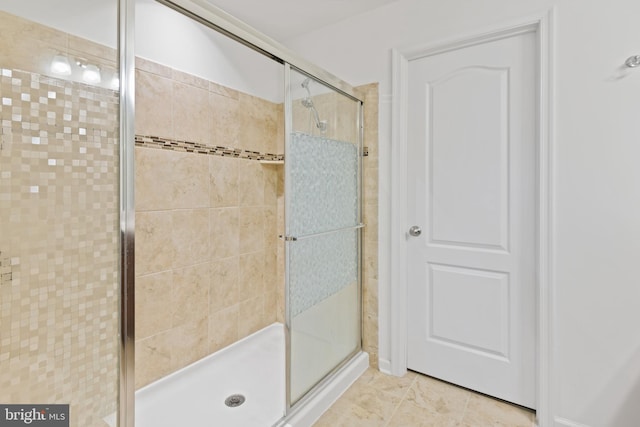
(416, 400)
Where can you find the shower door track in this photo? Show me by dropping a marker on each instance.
(216, 18)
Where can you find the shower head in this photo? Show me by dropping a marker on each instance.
(307, 102)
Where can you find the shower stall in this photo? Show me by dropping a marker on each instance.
(180, 228)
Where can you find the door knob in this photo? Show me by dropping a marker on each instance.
(415, 231)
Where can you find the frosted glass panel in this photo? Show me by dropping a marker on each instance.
(324, 184)
(320, 267)
(324, 197)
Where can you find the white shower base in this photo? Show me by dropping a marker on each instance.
(254, 367)
(194, 396)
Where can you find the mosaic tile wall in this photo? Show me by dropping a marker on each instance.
(58, 245)
(206, 221)
(27, 45)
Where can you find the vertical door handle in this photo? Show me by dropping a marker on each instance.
(415, 231)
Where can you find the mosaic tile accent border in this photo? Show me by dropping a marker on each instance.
(195, 147)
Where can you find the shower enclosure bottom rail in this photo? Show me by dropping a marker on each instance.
(320, 399)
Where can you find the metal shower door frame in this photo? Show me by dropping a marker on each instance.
(206, 14)
(288, 240)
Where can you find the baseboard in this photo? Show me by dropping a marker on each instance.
(384, 365)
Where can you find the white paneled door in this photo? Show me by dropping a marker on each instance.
(472, 194)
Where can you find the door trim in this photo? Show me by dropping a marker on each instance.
(542, 25)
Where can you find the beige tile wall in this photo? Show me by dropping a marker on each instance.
(369, 94)
(206, 232)
(235, 302)
(58, 228)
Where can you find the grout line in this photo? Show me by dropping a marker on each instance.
(402, 399)
(466, 405)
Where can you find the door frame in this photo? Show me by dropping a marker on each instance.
(542, 26)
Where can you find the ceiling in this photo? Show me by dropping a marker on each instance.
(285, 19)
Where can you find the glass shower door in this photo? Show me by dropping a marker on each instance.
(322, 216)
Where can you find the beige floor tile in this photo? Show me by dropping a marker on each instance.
(485, 411)
(410, 415)
(438, 396)
(398, 386)
(416, 400)
(368, 406)
(339, 415)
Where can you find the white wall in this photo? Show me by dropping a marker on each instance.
(597, 177)
(95, 20)
(164, 36)
(170, 38)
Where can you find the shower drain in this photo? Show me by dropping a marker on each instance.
(234, 400)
